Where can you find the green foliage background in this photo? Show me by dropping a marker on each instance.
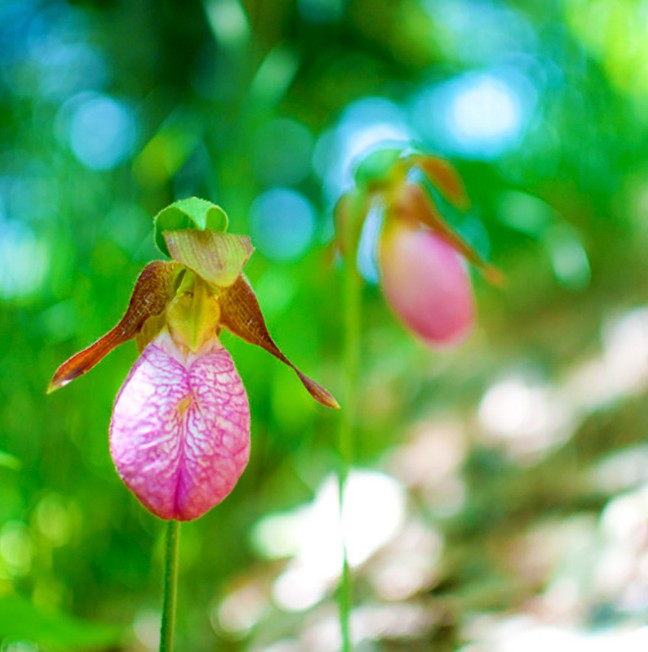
(228, 100)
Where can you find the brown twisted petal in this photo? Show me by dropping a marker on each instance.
(413, 204)
(443, 177)
(153, 290)
(241, 314)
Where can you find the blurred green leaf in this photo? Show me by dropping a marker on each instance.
(9, 461)
(20, 620)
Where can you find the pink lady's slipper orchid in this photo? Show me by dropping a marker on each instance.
(438, 306)
(423, 271)
(180, 429)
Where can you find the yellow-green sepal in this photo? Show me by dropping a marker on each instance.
(217, 258)
(192, 316)
(376, 169)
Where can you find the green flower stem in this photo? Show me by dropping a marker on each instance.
(351, 305)
(170, 586)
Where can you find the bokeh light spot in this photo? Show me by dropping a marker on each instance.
(282, 155)
(228, 21)
(373, 513)
(492, 29)
(101, 131)
(53, 520)
(367, 259)
(240, 610)
(69, 68)
(282, 223)
(25, 260)
(568, 257)
(16, 547)
(321, 11)
(477, 115)
(524, 213)
(365, 126)
(524, 415)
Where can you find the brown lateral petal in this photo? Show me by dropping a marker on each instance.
(413, 204)
(241, 314)
(152, 292)
(443, 177)
(218, 258)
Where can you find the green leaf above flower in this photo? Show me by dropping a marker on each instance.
(190, 213)
(375, 169)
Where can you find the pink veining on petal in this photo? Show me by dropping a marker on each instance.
(427, 284)
(180, 430)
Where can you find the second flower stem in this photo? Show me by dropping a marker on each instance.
(351, 306)
(170, 586)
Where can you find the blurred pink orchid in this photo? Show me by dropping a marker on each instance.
(422, 261)
(426, 283)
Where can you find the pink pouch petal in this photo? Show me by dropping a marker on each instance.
(180, 430)
(426, 283)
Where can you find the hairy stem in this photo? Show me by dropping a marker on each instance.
(170, 586)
